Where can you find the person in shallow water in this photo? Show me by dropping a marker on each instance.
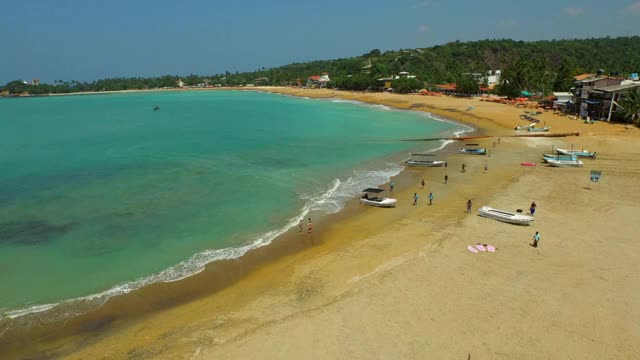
(391, 186)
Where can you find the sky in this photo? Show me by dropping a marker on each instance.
(91, 39)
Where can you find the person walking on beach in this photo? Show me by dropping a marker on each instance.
(486, 167)
(532, 208)
(415, 199)
(446, 178)
(391, 185)
(445, 165)
(309, 227)
(468, 206)
(300, 226)
(536, 238)
(422, 184)
(463, 167)
(430, 198)
(498, 140)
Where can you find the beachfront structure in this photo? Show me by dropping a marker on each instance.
(318, 80)
(603, 102)
(180, 83)
(581, 101)
(386, 82)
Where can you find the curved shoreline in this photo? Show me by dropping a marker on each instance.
(413, 259)
(96, 312)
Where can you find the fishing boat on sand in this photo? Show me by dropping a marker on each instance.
(542, 129)
(580, 153)
(505, 216)
(425, 163)
(525, 127)
(420, 161)
(546, 157)
(479, 151)
(375, 200)
(565, 163)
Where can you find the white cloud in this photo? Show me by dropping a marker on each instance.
(421, 4)
(634, 8)
(423, 28)
(574, 11)
(509, 23)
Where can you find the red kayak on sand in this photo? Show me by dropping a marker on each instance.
(528, 164)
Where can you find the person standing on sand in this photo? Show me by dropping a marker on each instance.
(536, 238)
(391, 185)
(309, 227)
(498, 140)
(463, 167)
(422, 184)
(468, 206)
(486, 167)
(445, 165)
(446, 178)
(415, 199)
(430, 198)
(300, 226)
(532, 208)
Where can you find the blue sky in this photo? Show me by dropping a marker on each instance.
(91, 39)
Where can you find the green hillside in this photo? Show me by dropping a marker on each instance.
(539, 66)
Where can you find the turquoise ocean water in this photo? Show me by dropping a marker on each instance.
(100, 195)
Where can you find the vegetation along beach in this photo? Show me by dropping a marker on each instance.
(433, 198)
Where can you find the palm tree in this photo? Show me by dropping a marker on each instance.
(630, 104)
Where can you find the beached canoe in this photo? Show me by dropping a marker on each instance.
(546, 157)
(525, 127)
(480, 151)
(425, 163)
(505, 216)
(542, 129)
(580, 153)
(565, 163)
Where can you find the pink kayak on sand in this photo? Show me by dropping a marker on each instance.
(491, 248)
(528, 164)
(481, 247)
(472, 249)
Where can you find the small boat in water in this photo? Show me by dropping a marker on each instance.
(156, 108)
(565, 163)
(542, 129)
(580, 153)
(375, 200)
(505, 216)
(546, 157)
(525, 127)
(479, 151)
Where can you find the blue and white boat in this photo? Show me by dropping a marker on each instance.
(546, 157)
(580, 153)
(480, 151)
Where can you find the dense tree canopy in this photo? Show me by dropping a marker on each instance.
(538, 67)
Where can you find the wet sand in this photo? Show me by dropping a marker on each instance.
(380, 283)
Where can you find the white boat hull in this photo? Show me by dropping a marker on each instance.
(582, 153)
(505, 216)
(380, 202)
(565, 163)
(425, 163)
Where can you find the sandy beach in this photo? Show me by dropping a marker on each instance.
(400, 283)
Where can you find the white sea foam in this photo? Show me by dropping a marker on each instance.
(329, 201)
